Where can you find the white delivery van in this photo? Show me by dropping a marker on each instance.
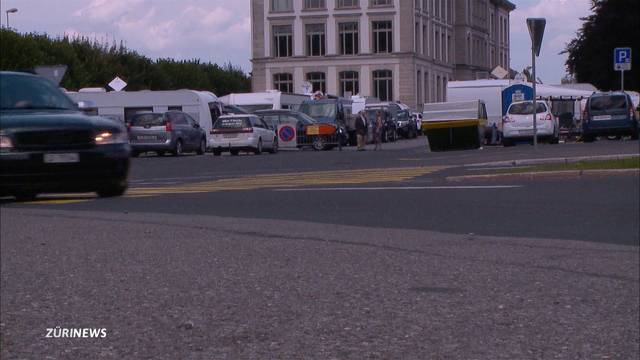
(202, 106)
(268, 100)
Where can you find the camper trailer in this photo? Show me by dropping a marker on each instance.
(202, 106)
(268, 100)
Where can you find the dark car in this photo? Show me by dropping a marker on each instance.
(295, 118)
(48, 145)
(172, 131)
(609, 113)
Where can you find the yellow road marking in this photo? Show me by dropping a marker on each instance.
(288, 180)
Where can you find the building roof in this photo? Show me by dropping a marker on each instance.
(505, 4)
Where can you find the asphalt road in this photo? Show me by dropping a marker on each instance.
(329, 255)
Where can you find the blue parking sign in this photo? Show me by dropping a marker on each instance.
(622, 59)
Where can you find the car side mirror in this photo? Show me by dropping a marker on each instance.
(196, 125)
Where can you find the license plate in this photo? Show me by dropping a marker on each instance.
(147, 137)
(61, 158)
(602, 117)
(230, 135)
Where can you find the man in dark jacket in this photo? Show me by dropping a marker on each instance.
(361, 130)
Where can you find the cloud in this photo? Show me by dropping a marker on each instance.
(200, 29)
(563, 21)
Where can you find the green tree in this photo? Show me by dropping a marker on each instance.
(614, 23)
(92, 63)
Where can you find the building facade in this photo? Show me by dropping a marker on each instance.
(404, 50)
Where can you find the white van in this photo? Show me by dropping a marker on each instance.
(202, 106)
(268, 100)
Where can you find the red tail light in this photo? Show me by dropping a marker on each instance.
(507, 119)
(247, 130)
(548, 117)
(585, 115)
(215, 131)
(128, 126)
(168, 127)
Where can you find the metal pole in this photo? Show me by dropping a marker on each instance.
(8, 27)
(622, 79)
(535, 122)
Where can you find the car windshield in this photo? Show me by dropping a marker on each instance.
(306, 119)
(150, 119)
(19, 91)
(316, 110)
(232, 123)
(607, 102)
(526, 108)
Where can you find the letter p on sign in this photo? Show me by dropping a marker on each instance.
(622, 59)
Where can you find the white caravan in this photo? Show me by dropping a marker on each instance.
(268, 100)
(203, 106)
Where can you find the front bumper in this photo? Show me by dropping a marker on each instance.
(98, 166)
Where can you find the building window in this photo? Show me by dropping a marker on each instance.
(282, 41)
(315, 40)
(281, 5)
(380, 2)
(314, 4)
(382, 37)
(349, 39)
(318, 81)
(283, 82)
(348, 3)
(383, 85)
(349, 82)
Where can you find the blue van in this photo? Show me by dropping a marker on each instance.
(609, 113)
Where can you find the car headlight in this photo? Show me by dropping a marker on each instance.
(110, 137)
(5, 142)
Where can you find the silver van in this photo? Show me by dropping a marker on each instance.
(173, 131)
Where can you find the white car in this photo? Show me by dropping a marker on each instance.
(517, 124)
(235, 133)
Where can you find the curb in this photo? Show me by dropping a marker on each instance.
(553, 160)
(565, 174)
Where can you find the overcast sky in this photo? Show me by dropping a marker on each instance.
(219, 30)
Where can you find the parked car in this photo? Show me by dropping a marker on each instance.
(235, 133)
(417, 119)
(609, 113)
(300, 121)
(406, 125)
(48, 145)
(172, 131)
(517, 124)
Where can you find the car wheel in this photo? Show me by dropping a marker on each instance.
(234, 152)
(274, 147)
(588, 138)
(116, 188)
(217, 152)
(507, 142)
(177, 151)
(203, 147)
(135, 154)
(25, 195)
(161, 153)
(635, 134)
(318, 143)
(258, 149)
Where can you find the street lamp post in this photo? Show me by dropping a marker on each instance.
(536, 30)
(10, 11)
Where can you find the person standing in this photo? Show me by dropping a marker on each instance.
(361, 130)
(377, 131)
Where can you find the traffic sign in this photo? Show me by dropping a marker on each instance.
(622, 59)
(117, 84)
(287, 136)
